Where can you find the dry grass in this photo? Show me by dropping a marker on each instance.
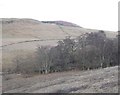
(23, 30)
(94, 81)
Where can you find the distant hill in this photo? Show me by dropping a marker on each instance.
(17, 30)
(64, 23)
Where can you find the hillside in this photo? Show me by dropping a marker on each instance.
(20, 30)
(23, 36)
(94, 81)
(20, 41)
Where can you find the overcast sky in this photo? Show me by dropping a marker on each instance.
(94, 14)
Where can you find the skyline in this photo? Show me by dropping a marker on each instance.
(94, 14)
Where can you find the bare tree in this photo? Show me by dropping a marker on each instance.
(43, 59)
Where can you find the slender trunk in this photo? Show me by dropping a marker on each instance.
(101, 64)
(46, 67)
(46, 71)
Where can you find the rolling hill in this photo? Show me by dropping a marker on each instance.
(20, 30)
(21, 37)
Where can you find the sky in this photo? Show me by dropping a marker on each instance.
(93, 14)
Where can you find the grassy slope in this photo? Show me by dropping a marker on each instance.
(95, 81)
(27, 29)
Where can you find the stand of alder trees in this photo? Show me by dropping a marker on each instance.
(88, 51)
